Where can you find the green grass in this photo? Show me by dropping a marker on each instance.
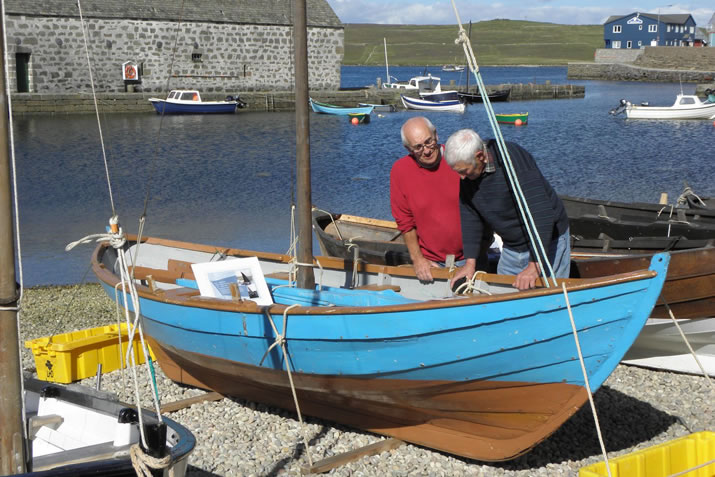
(495, 42)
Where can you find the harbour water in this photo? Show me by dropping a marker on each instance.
(227, 179)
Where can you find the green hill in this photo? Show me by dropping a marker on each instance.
(495, 42)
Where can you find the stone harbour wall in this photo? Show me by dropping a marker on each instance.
(658, 64)
(209, 57)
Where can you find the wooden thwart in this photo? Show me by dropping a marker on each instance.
(353, 455)
(184, 403)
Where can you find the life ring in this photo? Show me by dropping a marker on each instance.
(130, 72)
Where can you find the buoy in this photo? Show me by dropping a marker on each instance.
(354, 120)
(713, 123)
(517, 122)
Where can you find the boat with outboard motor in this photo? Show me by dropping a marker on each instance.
(686, 106)
(180, 101)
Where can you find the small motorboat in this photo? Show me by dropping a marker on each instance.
(686, 106)
(426, 105)
(522, 118)
(180, 101)
(453, 68)
(326, 108)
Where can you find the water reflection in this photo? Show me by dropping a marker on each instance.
(228, 180)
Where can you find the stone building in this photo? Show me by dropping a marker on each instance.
(215, 46)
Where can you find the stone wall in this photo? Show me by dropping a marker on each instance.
(673, 57)
(233, 57)
(616, 55)
(625, 72)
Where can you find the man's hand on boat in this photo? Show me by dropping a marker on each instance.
(422, 269)
(527, 278)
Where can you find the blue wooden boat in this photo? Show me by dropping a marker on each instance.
(485, 376)
(189, 102)
(326, 108)
(426, 105)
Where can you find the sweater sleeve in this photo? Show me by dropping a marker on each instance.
(398, 202)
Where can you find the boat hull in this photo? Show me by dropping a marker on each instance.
(454, 375)
(702, 111)
(169, 107)
(494, 96)
(512, 118)
(424, 105)
(325, 108)
(660, 346)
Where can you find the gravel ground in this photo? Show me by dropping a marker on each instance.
(637, 408)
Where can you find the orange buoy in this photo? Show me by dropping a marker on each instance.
(354, 120)
(517, 122)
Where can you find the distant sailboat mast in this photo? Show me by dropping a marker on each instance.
(387, 67)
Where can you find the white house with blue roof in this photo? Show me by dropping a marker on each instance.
(638, 30)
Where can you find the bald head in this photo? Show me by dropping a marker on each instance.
(418, 125)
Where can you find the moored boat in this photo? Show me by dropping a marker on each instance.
(686, 106)
(516, 118)
(425, 105)
(499, 95)
(326, 108)
(189, 102)
(380, 108)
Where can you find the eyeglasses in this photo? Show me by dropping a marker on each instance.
(430, 143)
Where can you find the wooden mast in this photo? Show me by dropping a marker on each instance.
(306, 279)
(12, 443)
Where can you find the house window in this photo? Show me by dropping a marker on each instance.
(692, 29)
(616, 44)
(640, 27)
(629, 44)
(196, 57)
(640, 43)
(668, 29)
(652, 28)
(616, 28)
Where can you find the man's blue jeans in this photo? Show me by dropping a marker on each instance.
(559, 252)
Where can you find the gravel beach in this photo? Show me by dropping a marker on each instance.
(637, 408)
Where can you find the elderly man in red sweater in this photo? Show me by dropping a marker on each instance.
(424, 197)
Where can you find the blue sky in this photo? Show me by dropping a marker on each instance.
(576, 12)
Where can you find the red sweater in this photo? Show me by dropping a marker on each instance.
(428, 201)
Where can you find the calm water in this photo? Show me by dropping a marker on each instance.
(227, 180)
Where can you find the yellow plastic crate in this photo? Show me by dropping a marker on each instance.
(68, 357)
(662, 460)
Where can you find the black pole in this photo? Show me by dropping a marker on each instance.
(306, 279)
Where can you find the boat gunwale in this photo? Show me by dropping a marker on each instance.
(179, 296)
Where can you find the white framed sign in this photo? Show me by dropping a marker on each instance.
(214, 279)
(130, 71)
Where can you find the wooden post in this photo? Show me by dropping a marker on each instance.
(353, 455)
(12, 442)
(306, 279)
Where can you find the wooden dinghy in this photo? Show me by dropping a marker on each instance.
(486, 376)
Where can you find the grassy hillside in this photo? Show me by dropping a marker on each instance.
(495, 42)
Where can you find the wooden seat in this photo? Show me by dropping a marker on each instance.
(375, 287)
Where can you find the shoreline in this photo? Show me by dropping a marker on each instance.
(637, 408)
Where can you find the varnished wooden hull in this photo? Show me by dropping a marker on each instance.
(689, 287)
(486, 376)
(476, 419)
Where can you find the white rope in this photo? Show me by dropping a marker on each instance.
(143, 462)
(469, 286)
(585, 378)
(281, 341)
(687, 343)
(522, 205)
(96, 107)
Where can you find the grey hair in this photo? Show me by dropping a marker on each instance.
(462, 146)
(427, 122)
